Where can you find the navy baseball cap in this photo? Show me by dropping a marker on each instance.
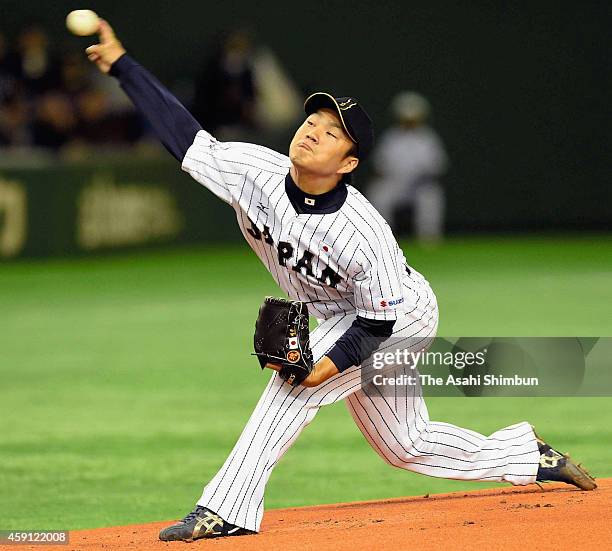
(355, 120)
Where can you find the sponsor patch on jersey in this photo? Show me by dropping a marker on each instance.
(392, 302)
(293, 342)
(293, 356)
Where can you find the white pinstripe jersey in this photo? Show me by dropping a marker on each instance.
(348, 261)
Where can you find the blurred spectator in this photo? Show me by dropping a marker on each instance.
(33, 64)
(225, 90)
(14, 120)
(7, 81)
(13, 110)
(76, 73)
(99, 125)
(54, 121)
(409, 161)
(243, 88)
(279, 102)
(95, 124)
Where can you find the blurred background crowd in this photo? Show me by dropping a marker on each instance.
(53, 98)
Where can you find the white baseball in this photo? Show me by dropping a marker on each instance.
(82, 22)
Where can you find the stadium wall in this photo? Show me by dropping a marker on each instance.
(61, 208)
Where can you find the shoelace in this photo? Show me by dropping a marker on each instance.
(193, 514)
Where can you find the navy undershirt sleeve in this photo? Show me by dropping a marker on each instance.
(172, 123)
(358, 342)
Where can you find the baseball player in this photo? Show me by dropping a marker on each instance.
(323, 243)
(409, 160)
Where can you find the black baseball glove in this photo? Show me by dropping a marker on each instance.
(282, 337)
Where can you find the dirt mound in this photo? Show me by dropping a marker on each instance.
(560, 517)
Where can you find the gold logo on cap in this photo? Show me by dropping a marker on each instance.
(347, 104)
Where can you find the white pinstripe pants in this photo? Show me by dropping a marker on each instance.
(398, 429)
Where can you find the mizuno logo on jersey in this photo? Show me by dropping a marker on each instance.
(303, 264)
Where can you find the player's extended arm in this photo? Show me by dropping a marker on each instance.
(357, 343)
(172, 123)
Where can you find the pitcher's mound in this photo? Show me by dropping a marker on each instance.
(561, 517)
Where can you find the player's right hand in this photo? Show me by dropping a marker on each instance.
(108, 51)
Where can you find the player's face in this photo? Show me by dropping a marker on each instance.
(321, 146)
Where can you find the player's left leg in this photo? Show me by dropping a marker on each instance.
(395, 421)
(396, 424)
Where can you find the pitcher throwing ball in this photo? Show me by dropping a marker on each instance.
(325, 245)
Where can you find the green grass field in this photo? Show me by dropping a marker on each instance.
(125, 380)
